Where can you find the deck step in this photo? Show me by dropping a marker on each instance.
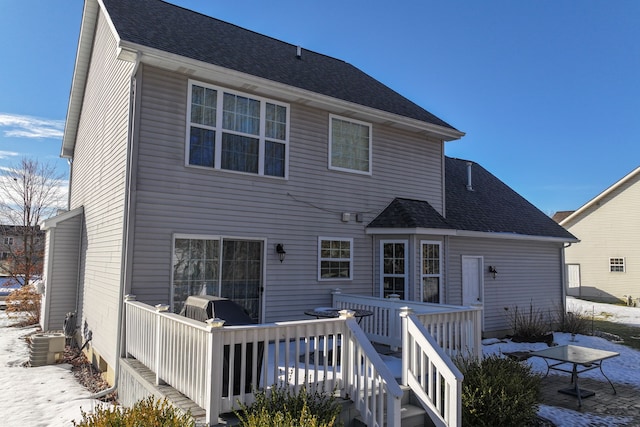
(410, 416)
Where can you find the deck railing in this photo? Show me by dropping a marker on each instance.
(456, 329)
(219, 367)
(431, 374)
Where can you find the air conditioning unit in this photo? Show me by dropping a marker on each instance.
(46, 348)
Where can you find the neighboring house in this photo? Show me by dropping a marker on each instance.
(206, 158)
(15, 242)
(604, 265)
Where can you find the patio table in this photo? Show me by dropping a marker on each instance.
(332, 312)
(583, 359)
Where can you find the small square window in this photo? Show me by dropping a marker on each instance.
(616, 265)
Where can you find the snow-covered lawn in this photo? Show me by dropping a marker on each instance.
(50, 396)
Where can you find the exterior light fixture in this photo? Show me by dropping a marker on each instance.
(493, 271)
(280, 251)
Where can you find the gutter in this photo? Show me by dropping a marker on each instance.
(127, 228)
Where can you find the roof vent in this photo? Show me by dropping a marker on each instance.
(298, 52)
(469, 184)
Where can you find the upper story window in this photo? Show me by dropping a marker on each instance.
(616, 265)
(236, 132)
(8, 240)
(349, 145)
(335, 258)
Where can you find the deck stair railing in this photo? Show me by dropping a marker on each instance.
(429, 371)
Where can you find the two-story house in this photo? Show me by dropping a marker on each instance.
(21, 247)
(207, 158)
(603, 265)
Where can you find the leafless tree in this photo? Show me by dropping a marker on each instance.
(30, 191)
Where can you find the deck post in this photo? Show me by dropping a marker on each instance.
(404, 313)
(160, 308)
(214, 376)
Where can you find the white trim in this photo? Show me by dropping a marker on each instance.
(330, 150)
(320, 259)
(467, 233)
(595, 201)
(406, 266)
(54, 221)
(221, 239)
(440, 275)
(623, 265)
(219, 130)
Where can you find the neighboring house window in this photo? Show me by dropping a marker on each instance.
(616, 265)
(4, 256)
(8, 240)
(430, 271)
(393, 254)
(230, 268)
(236, 132)
(335, 258)
(349, 145)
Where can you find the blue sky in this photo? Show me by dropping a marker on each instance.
(547, 91)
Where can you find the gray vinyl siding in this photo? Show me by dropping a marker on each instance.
(172, 198)
(61, 281)
(609, 230)
(528, 271)
(98, 184)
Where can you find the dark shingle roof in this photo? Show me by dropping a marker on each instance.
(160, 25)
(491, 207)
(407, 213)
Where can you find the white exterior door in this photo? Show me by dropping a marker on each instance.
(573, 279)
(472, 283)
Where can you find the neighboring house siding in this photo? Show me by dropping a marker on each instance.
(172, 198)
(609, 229)
(528, 272)
(61, 282)
(98, 184)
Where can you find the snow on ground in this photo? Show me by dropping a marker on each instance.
(49, 396)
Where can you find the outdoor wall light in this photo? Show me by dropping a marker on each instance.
(280, 251)
(493, 271)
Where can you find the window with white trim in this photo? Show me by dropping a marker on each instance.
(232, 131)
(349, 145)
(8, 240)
(430, 271)
(616, 265)
(335, 258)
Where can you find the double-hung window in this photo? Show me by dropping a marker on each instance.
(335, 260)
(616, 265)
(237, 132)
(8, 241)
(349, 145)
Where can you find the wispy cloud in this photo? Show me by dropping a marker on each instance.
(8, 154)
(13, 125)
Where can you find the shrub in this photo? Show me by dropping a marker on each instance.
(573, 322)
(282, 407)
(498, 391)
(27, 301)
(146, 412)
(532, 324)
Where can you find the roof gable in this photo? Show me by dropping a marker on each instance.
(166, 27)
